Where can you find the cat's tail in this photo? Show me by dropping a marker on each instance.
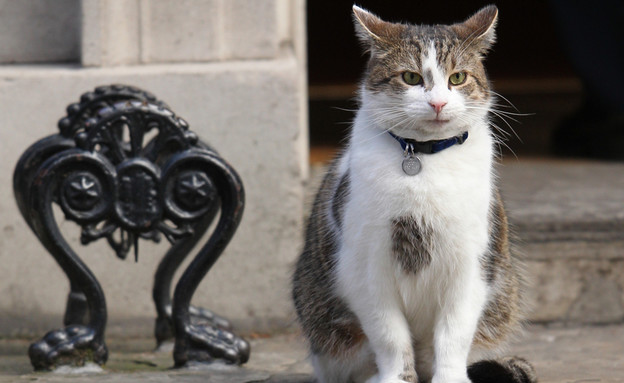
(506, 370)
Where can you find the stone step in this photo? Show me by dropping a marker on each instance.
(569, 216)
(569, 220)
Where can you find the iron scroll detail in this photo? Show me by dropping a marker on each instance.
(125, 168)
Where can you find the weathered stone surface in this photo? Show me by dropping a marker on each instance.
(553, 289)
(577, 291)
(39, 31)
(208, 30)
(181, 31)
(569, 216)
(110, 32)
(250, 28)
(580, 354)
(565, 201)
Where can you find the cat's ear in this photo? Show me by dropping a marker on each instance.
(479, 28)
(372, 31)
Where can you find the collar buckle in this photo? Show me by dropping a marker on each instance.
(409, 150)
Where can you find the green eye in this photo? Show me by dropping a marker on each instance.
(458, 78)
(412, 78)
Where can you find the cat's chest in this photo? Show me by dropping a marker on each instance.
(449, 182)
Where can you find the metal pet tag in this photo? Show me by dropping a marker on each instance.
(411, 165)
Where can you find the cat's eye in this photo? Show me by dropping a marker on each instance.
(458, 78)
(412, 78)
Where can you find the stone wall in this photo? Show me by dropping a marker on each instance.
(234, 69)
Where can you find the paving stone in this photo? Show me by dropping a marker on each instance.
(574, 355)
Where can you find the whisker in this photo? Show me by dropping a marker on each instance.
(502, 115)
(381, 133)
(498, 95)
(344, 109)
(478, 106)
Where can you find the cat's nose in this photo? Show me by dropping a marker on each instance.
(437, 105)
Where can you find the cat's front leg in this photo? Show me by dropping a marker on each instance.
(376, 303)
(455, 328)
(390, 340)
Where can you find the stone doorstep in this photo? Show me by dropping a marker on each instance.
(565, 201)
(569, 218)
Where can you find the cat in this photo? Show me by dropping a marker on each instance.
(407, 264)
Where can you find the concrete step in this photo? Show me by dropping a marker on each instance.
(560, 355)
(569, 219)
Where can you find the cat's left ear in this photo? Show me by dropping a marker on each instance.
(374, 33)
(479, 28)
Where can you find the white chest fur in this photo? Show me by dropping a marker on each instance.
(451, 194)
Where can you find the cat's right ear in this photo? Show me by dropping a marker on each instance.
(372, 31)
(479, 29)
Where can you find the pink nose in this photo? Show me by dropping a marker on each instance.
(437, 106)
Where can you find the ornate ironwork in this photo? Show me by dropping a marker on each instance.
(116, 184)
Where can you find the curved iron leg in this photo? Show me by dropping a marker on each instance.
(162, 284)
(76, 343)
(27, 167)
(204, 342)
(76, 310)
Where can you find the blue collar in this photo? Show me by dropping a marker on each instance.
(429, 147)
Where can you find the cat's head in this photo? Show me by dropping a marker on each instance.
(426, 82)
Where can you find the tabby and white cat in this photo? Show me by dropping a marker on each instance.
(407, 264)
